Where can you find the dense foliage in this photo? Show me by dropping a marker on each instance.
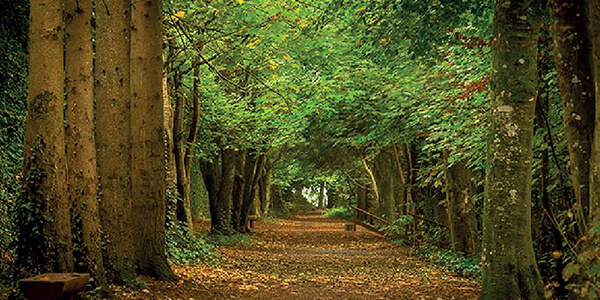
(326, 90)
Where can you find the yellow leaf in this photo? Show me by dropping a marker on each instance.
(358, 43)
(274, 76)
(272, 67)
(303, 25)
(287, 56)
(557, 254)
(570, 215)
(253, 44)
(178, 15)
(241, 1)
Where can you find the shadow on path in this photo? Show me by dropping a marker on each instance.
(311, 257)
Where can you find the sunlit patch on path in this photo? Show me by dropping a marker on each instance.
(310, 257)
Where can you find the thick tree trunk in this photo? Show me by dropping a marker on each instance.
(113, 136)
(509, 266)
(45, 162)
(574, 68)
(148, 170)
(461, 213)
(81, 143)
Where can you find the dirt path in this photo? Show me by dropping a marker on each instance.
(310, 257)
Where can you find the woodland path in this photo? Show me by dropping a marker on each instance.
(311, 257)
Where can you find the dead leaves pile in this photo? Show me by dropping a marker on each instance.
(309, 257)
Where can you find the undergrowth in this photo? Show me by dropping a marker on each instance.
(343, 212)
(184, 248)
(452, 261)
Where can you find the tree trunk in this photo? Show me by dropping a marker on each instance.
(266, 185)
(461, 213)
(361, 195)
(45, 161)
(147, 136)
(225, 193)
(254, 167)
(594, 25)
(321, 196)
(238, 188)
(211, 182)
(81, 144)
(574, 68)
(509, 266)
(184, 211)
(385, 173)
(113, 136)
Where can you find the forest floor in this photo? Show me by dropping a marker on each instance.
(308, 256)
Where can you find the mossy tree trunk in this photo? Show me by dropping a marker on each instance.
(509, 266)
(593, 10)
(45, 161)
(81, 143)
(574, 68)
(148, 169)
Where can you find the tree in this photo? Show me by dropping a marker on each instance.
(593, 8)
(574, 68)
(44, 166)
(81, 143)
(509, 266)
(112, 83)
(461, 213)
(148, 169)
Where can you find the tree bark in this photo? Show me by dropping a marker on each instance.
(81, 144)
(574, 68)
(509, 266)
(184, 211)
(252, 174)
(211, 182)
(361, 195)
(594, 25)
(266, 185)
(45, 161)
(321, 196)
(113, 133)
(238, 188)
(222, 224)
(148, 169)
(461, 212)
(385, 173)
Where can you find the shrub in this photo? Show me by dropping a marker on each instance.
(343, 212)
(452, 261)
(183, 248)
